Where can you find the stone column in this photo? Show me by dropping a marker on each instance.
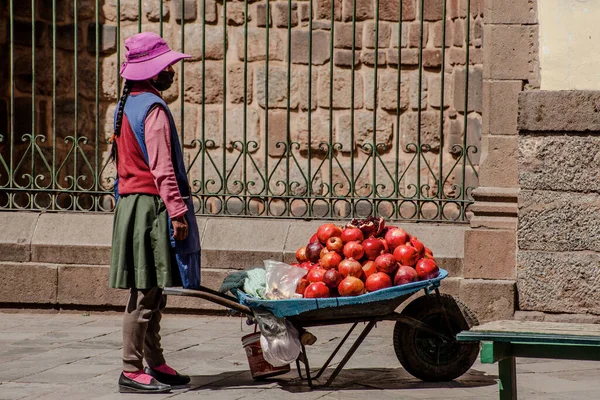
(510, 60)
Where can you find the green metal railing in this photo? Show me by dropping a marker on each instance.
(53, 165)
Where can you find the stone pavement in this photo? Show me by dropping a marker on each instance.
(77, 356)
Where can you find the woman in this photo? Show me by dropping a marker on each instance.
(155, 237)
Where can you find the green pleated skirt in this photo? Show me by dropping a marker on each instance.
(141, 255)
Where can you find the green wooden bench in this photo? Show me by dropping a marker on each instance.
(503, 341)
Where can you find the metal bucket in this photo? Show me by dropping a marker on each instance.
(259, 367)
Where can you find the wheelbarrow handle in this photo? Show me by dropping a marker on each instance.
(212, 296)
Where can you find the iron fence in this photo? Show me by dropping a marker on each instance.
(320, 109)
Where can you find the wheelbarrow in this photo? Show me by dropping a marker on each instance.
(424, 334)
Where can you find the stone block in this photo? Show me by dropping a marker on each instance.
(298, 234)
(235, 129)
(277, 133)
(300, 47)
(343, 58)
(304, 81)
(490, 299)
(342, 89)
(556, 163)
(280, 15)
(432, 58)
(364, 10)
(414, 35)
(323, 9)
(213, 83)
(418, 91)
(435, 91)
(249, 250)
(278, 87)
(153, 10)
(500, 107)
(514, 12)
(389, 90)
(343, 36)
(368, 57)
(214, 45)
(475, 96)
(261, 15)
(237, 90)
(304, 13)
(558, 282)
(490, 254)
(319, 132)
(257, 44)
(371, 35)
(432, 10)
(15, 235)
(430, 136)
(498, 162)
(83, 239)
(87, 285)
(558, 221)
(107, 39)
(190, 119)
(408, 57)
(65, 37)
(559, 111)
(128, 9)
(28, 283)
(389, 10)
(236, 14)
(458, 30)
(437, 32)
(187, 8)
(399, 37)
(510, 52)
(363, 130)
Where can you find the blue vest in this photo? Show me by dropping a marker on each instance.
(187, 252)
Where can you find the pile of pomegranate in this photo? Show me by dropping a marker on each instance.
(362, 257)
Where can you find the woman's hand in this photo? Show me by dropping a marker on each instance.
(180, 228)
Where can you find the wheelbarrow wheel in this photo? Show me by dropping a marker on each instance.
(426, 355)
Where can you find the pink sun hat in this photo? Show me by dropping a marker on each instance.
(147, 54)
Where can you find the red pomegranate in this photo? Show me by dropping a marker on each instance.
(301, 254)
(428, 253)
(313, 251)
(335, 244)
(307, 265)
(406, 255)
(326, 231)
(353, 250)
(427, 269)
(369, 268)
(405, 274)
(370, 226)
(386, 247)
(313, 238)
(315, 290)
(350, 267)
(316, 274)
(351, 286)
(302, 285)
(332, 278)
(377, 281)
(386, 263)
(352, 235)
(396, 237)
(323, 252)
(417, 244)
(373, 247)
(331, 260)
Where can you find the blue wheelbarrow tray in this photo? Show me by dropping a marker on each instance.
(369, 305)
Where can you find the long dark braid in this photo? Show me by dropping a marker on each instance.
(126, 90)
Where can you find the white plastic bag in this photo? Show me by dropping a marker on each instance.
(282, 280)
(279, 339)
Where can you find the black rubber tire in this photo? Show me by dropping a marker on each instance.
(427, 356)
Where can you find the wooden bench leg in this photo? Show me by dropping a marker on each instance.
(507, 373)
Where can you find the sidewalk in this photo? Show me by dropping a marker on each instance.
(77, 356)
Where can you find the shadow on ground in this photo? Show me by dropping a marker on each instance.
(352, 378)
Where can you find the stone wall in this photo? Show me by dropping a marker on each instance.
(223, 64)
(558, 260)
